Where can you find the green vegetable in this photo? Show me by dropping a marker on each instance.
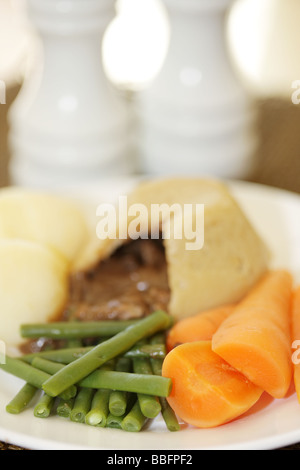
(75, 330)
(82, 405)
(44, 406)
(52, 368)
(167, 412)
(149, 405)
(128, 382)
(135, 420)
(100, 354)
(63, 356)
(65, 407)
(22, 399)
(114, 422)
(147, 351)
(118, 400)
(98, 414)
(30, 374)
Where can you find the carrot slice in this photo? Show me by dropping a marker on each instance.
(296, 338)
(200, 327)
(256, 338)
(207, 392)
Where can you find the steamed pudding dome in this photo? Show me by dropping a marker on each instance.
(232, 259)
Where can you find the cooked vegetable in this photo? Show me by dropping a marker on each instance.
(147, 350)
(167, 412)
(207, 392)
(200, 327)
(82, 405)
(44, 406)
(64, 356)
(114, 422)
(256, 340)
(128, 382)
(65, 407)
(296, 337)
(98, 414)
(149, 405)
(115, 346)
(68, 355)
(75, 330)
(135, 420)
(22, 399)
(31, 375)
(118, 400)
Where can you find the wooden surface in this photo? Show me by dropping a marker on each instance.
(278, 156)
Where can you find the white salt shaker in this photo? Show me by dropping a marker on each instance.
(196, 116)
(68, 125)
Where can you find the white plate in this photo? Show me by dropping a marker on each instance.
(274, 424)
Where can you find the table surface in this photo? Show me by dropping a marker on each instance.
(277, 158)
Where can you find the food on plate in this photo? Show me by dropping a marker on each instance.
(222, 271)
(33, 286)
(256, 340)
(296, 338)
(199, 327)
(101, 386)
(51, 220)
(123, 329)
(207, 392)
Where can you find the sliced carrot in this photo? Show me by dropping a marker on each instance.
(296, 339)
(200, 327)
(207, 392)
(256, 338)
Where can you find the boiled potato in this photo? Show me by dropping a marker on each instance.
(33, 286)
(51, 220)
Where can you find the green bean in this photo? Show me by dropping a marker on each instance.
(118, 400)
(44, 406)
(65, 407)
(147, 351)
(74, 343)
(70, 354)
(22, 399)
(149, 405)
(98, 414)
(51, 368)
(135, 420)
(167, 412)
(128, 382)
(169, 416)
(115, 346)
(82, 405)
(114, 422)
(75, 329)
(63, 356)
(24, 371)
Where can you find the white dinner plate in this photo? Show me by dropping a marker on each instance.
(271, 424)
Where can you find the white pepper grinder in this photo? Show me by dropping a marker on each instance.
(68, 126)
(196, 117)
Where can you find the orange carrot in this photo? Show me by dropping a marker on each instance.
(296, 339)
(256, 338)
(206, 391)
(200, 327)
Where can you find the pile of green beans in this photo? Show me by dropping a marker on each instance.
(115, 383)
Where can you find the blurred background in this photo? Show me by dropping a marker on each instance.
(262, 38)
